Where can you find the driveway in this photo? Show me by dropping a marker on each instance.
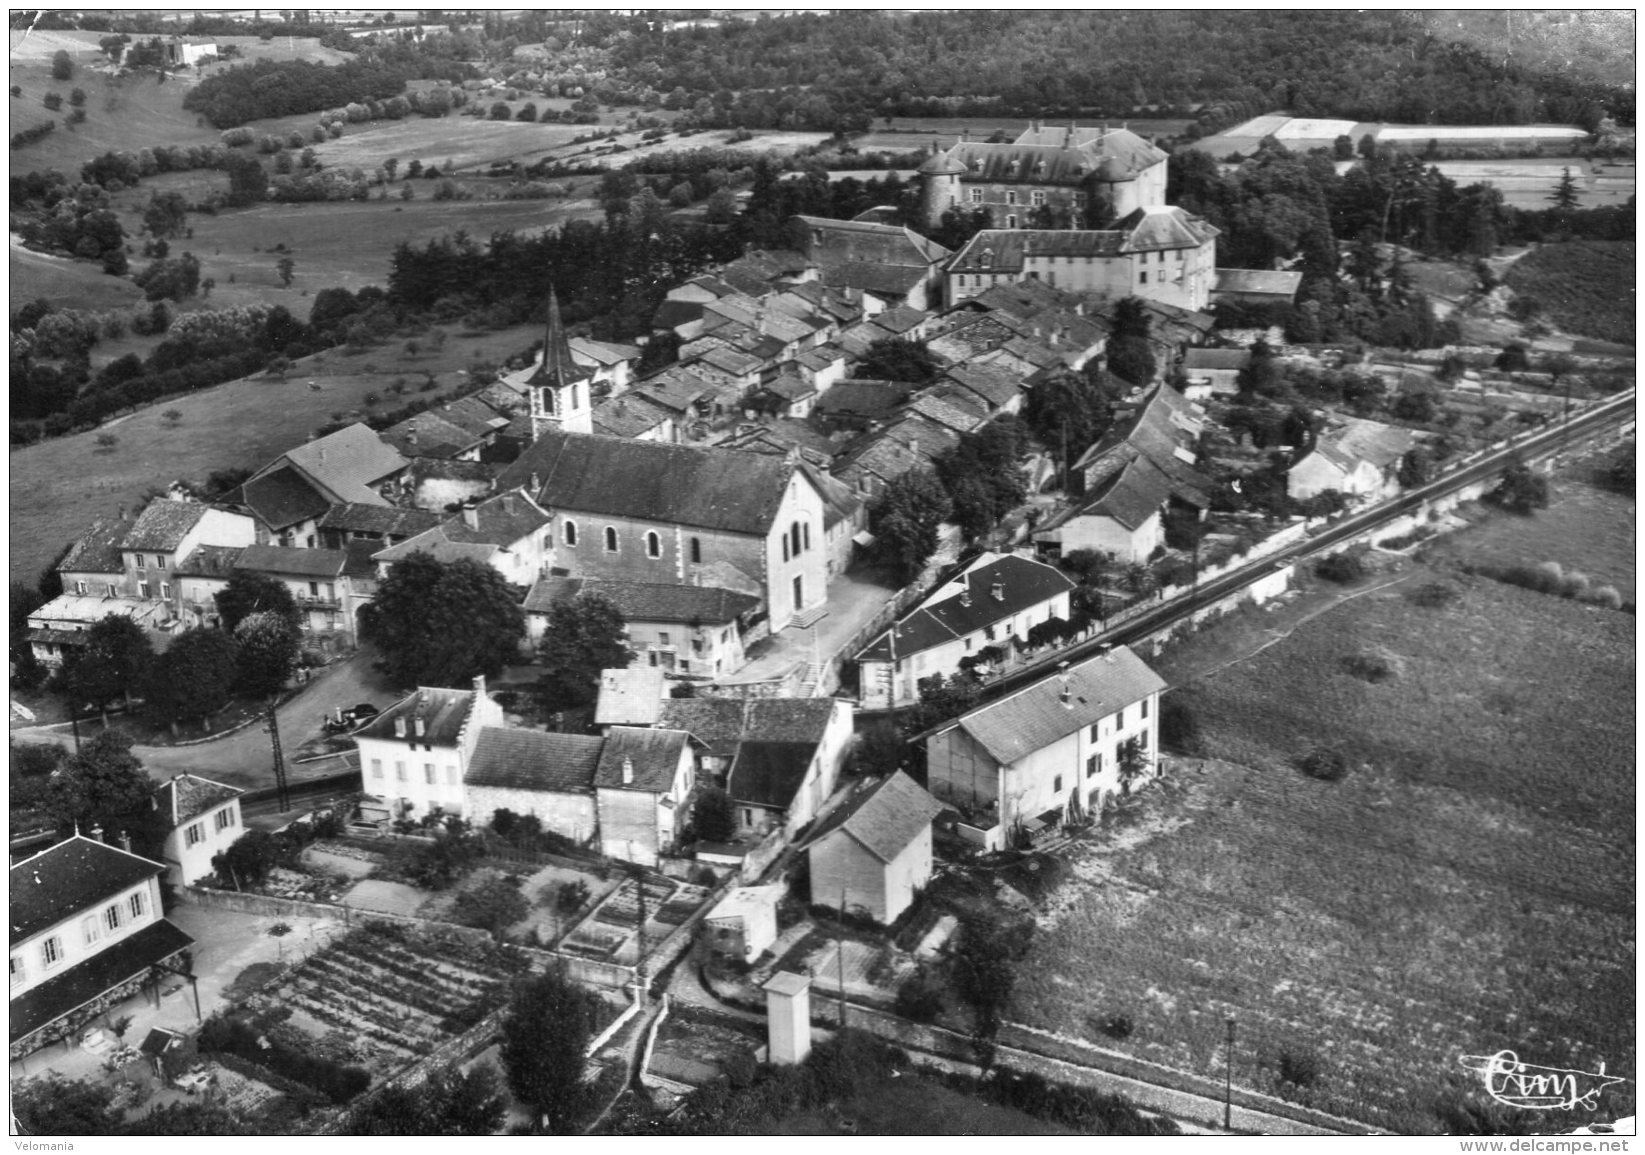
(245, 758)
(853, 600)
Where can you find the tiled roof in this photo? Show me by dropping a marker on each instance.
(1216, 359)
(210, 561)
(647, 601)
(769, 773)
(884, 819)
(675, 388)
(715, 722)
(604, 352)
(348, 462)
(995, 384)
(673, 314)
(946, 615)
(277, 559)
(733, 361)
(665, 484)
(901, 319)
(1257, 281)
(534, 760)
(382, 520)
(186, 796)
(434, 434)
(629, 415)
(1034, 717)
(721, 723)
(360, 566)
(961, 412)
(1112, 156)
(1159, 227)
(443, 712)
(98, 549)
(283, 497)
(1358, 439)
(130, 958)
(1130, 496)
(884, 280)
(834, 243)
(649, 757)
(68, 877)
(434, 469)
(163, 524)
(1166, 423)
(501, 521)
(631, 697)
(790, 387)
(855, 395)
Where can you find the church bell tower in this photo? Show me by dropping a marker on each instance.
(560, 391)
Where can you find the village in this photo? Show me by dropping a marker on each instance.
(859, 543)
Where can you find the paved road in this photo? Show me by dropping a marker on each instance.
(245, 757)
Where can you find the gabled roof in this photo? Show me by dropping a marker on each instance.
(883, 819)
(995, 384)
(70, 877)
(348, 463)
(672, 314)
(1166, 423)
(729, 360)
(1160, 227)
(901, 319)
(432, 434)
(789, 386)
(769, 773)
(780, 435)
(187, 796)
(629, 415)
(1198, 358)
(435, 469)
(861, 395)
(721, 723)
(1130, 496)
(442, 710)
(646, 601)
(958, 411)
(382, 520)
(533, 760)
(1265, 281)
(210, 561)
(631, 697)
(98, 549)
(500, 522)
(278, 559)
(603, 352)
(1032, 718)
(968, 604)
(889, 281)
(647, 758)
(675, 388)
(163, 524)
(1357, 439)
(130, 958)
(833, 242)
(669, 484)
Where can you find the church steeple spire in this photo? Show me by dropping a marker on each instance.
(557, 369)
(558, 390)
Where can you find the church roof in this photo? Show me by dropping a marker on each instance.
(557, 367)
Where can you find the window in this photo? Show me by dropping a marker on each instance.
(139, 558)
(785, 547)
(110, 589)
(90, 930)
(1142, 278)
(1093, 733)
(51, 951)
(696, 551)
(138, 906)
(143, 589)
(1093, 766)
(194, 835)
(748, 816)
(1010, 196)
(1038, 197)
(428, 773)
(1144, 708)
(1011, 220)
(80, 587)
(165, 590)
(610, 539)
(313, 589)
(17, 969)
(376, 767)
(662, 637)
(225, 818)
(653, 544)
(805, 534)
(400, 771)
(570, 533)
(794, 538)
(159, 562)
(112, 918)
(1056, 784)
(976, 196)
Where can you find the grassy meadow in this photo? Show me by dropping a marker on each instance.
(1585, 287)
(1468, 887)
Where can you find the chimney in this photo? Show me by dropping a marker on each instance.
(536, 485)
(479, 687)
(125, 841)
(965, 596)
(421, 725)
(508, 504)
(322, 455)
(1066, 697)
(998, 590)
(628, 770)
(471, 518)
(400, 727)
(97, 833)
(913, 445)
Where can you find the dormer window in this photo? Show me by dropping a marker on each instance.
(986, 259)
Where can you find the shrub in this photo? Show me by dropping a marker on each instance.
(1299, 1068)
(1606, 596)
(1342, 568)
(1575, 584)
(1434, 595)
(1326, 763)
(1179, 726)
(1118, 1026)
(920, 998)
(1374, 665)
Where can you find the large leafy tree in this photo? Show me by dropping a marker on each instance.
(449, 1102)
(1521, 490)
(54, 1105)
(545, 1034)
(249, 593)
(113, 662)
(443, 623)
(982, 476)
(1067, 414)
(1130, 352)
(585, 634)
(896, 359)
(26, 668)
(103, 785)
(905, 521)
(714, 815)
(267, 652)
(194, 678)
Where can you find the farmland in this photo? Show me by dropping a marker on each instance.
(902, 133)
(1584, 287)
(1467, 887)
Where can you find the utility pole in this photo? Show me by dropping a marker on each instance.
(282, 791)
(638, 875)
(1228, 1087)
(839, 955)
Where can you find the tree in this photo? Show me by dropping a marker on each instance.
(112, 664)
(443, 623)
(54, 1105)
(878, 750)
(905, 520)
(62, 65)
(248, 859)
(103, 784)
(544, 1036)
(1134, 763)
(1416, 467)
(1521, 491)
(1513, 358)
(193, 678)
(585, 635)
(248, 593)
(1564, 196)
(448, 1102)
(714, 815)
(897, 359)
(286, 266)
(1130, 351)
(493, 905)
(267, 653)
(189, 1118)
(983, 974)
(1067, 414)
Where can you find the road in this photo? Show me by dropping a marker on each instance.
(245, 758)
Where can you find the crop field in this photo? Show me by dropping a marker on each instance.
(242, 424)
(1526, 182)
(1584, 287)
(1468, 887)
(462, 141)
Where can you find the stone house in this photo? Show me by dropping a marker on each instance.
(872, 854)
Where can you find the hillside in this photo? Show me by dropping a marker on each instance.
(1585, 287)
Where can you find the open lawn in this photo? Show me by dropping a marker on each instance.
(66, 282)
(1468, 887)
(1584, 287)
(1526, 182)
(58, 487)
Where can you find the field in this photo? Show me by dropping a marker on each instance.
(66, 282)
(1467, 888)
(1584, 287)
(465, 142)
(58, 487)
(902, 133)
(1526, 182)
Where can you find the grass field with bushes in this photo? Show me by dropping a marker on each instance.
(1584, 287)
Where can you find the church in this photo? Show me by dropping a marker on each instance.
(558, 391)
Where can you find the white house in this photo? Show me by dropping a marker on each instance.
(872, 854)
(995, 601)
(202, 819)
(787, 761)
(1353, 456)
(414, 754)
(509, 532)
(642, 789)
(59, 626)
(687, 629)
(744, 922)
(87, 932)
(1047, 752)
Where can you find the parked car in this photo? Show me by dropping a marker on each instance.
(352, 718)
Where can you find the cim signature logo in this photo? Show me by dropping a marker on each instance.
(1516, 1084)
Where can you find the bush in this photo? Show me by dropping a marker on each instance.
(1434, 595)
(1299, 1068)
(1178, 725)
(1374, 665)
(1118, 1026)
(341, 1084)
(1342, 568)
(920, 998)
(1325, 763)
(1606, 596)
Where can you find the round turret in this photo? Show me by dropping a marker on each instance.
(1112, 170)
(940, 164)
(939, 180)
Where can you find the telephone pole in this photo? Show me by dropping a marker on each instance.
(282, 791)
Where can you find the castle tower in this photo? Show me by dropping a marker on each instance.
(939, 185)
(559, 392)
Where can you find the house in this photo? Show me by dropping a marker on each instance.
(379, 524)
(743, 923)
(434, 484)
(59, 626)
(550, 776)
(352, 464)
(630, 697)
(636, 417)
(322, 590)
(1255, 287)
(199, 578)
(872, 854)
(1213, 372)
(893, 263)
(612, 366)
(558, 388)
(787, 761)
(165, 533)
(788, 394)
(95, 564)
(673, 514)
(995, 601)
(1122, 516)
(996, 388)
(1046, 752)
(856, 403)
(87, 933)
(1052, 178)
(413, 755)
(876, 459)
(952, 408)
(202, 820)
(1355, 457)
(675, 629)
(509, 532)
(642, 790)
(453, 432)
(180, 50)
(1156, 252)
